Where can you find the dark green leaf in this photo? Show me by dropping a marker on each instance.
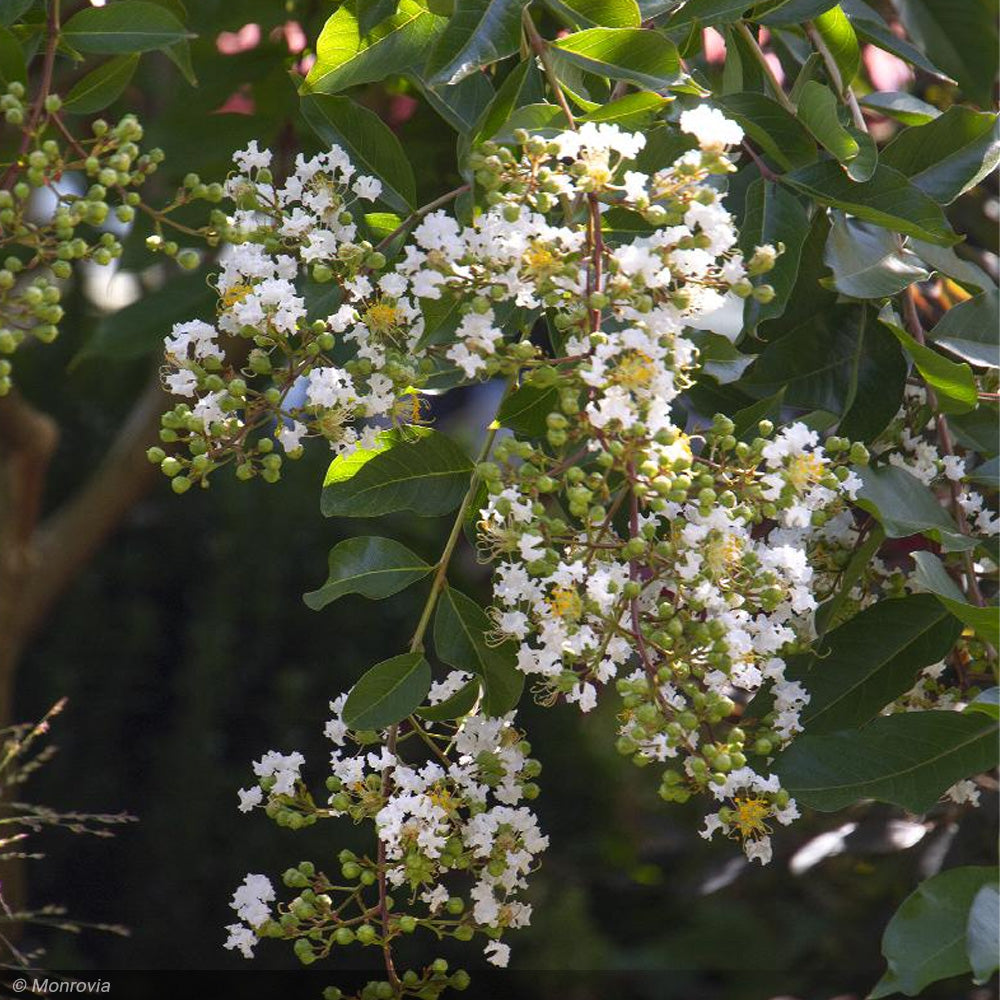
(828, 612)
(835, 29)
(947, 262)
(872, 659)
(388, 692)
(909, 759)
(746, 420)
(932, 576)
(458, 705)
(370, 143)
(461, 105)
(982, 934)
(13, 68)
(879, 385)
(905, 507)
(978, 430)
(478, 33)
(926, 939)
(413, 468)
(960, 36)
(970, 330)
(519, 88)
(370, 566)
(948, 155)
(817, 110)
(867, 261)
(709, 12)
(127, 26)
(524, 410)
(880, 35)
(460, 628)
(12, 10)
(646, 58)
(795, 12)
(779, 134)
(101, 86)
(901, 106)
(953, 383)
(346, 57)
(987, 474)
(888, 199)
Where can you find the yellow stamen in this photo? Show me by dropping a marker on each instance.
(749, 817)
(804, 469)
(635, 370)
(565, 602)
(380, 317)
(539, 259)
(235, 294)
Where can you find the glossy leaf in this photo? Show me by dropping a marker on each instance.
(388, 692)
(867, 261)
(130, 26)
(598, 13)
(708, 12)
(412, 468)
(970, 330)
(367, 140)
(888, 199)
(462, 104)
(901, 106)
(370, 566)
(634, 111)
(835, 29)
(947, 262)
(905, 507)
(869, 661)
(525, 410)
(817, 110)
(926, 939)
(101, 86)
(478, 33)
(460, 628)
(646, 58)
(931, 575)
(949, 155)
(909, 759)
(982, 934)
(879, 34)
(346, 56)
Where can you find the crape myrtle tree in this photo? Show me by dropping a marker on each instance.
(741, 475)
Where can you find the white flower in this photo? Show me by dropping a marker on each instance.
(497, 953)
(711, 128)
(250, 797)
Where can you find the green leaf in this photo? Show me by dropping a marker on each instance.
(887, 199)
(461, 105)
(478, 33)
(598, 13)
(905, 507)
(901, 106)
(926, 938)
(646, 58)
(773, 215)
(817, 110)
(869, 661)
(524, 410)
(126, 26)
(828, 612)
(708, 12)
(960, 36)
(947, 262)
(102, 86)
(747, 419)
(982, 933)
(460, 628)
(880, 35)
(779, 134)
(12, 64)
(909, 759)
(388, 692)
(987, 702)
(949, 155)
(867, 261)
(413, 468)
(987, 474)
(520, 87)
(862, 167)
(835, 29)
(12, 10)
(931, 575)
(879, 383)
(633, 111)
(370, 566)
(978, 430)
(970, 330)
(794, 12)
(346, 57)
(953, 383)
(370, 143)
(458, 705)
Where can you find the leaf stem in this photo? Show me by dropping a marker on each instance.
(843, 89)
(417, 214)
(779, 92)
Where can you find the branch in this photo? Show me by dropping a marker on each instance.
(844, 90)
(71, 535)
(758, 54)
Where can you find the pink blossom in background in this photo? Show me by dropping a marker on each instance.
(240, 102)
(715, 46)
(231, 43)
(401, 109)
(294, 36)
(885, 71)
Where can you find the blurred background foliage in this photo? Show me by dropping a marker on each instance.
(185, 649)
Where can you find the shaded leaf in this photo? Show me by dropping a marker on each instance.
(101, 86)
(524, 410)
(779, 134)
(909, 759)
(134, 26)
(932, 576)
(458, 705)
(817, 110)
(879, 34)
(370, 566)
(901, 106)
(971, 330)
(867, 261)
(388, 692)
